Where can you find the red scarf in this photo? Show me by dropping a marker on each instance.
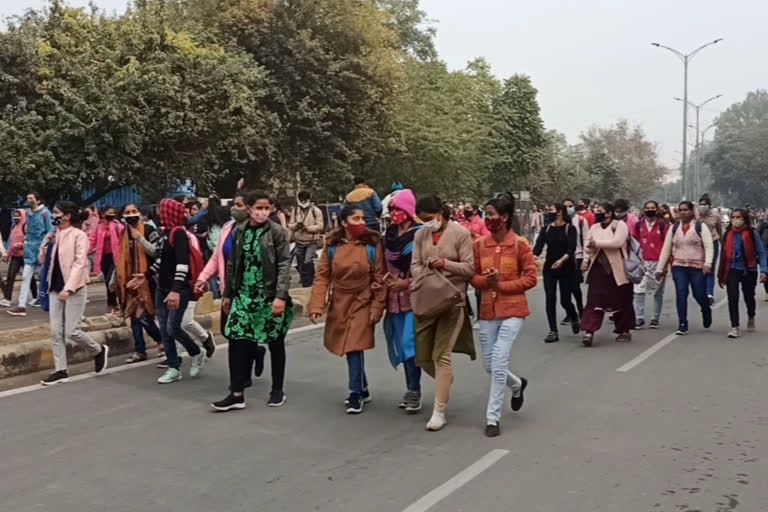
(750, 253)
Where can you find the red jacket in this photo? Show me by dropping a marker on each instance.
(652, 242)
(476, 226)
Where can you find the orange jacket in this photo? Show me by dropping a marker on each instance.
(513, 260)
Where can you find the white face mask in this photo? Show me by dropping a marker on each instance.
(703, 209)
(433, 225)
(304, 204)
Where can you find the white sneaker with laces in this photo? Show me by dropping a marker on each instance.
(5, 303)
(734, 333)
(198, 362)
(170, 375)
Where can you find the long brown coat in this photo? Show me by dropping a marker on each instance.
(355, 293)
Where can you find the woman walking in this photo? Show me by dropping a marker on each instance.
(257, 301)
(689, 245)
(711, 217)
(68, 288)
(15, 257)
(650, 232)
(504, 269)
(105, 247)
(609, 289)
(399, 323)
(137, 250)
(351, 272)
(559, 238)
(743, 257)
(441, 247)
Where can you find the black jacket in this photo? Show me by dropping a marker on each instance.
(276, 251)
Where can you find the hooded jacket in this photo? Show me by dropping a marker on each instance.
(367, 199)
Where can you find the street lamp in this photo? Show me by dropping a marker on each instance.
(697, 164)
(685, 58)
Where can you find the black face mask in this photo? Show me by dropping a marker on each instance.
(132, 220)
(549, 217)
(650, 214)
(468, 214)
(56, 221)
(109, 218)
(599, 218)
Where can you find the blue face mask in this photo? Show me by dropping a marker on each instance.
(549, 218)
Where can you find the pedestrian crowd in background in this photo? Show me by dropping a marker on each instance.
(413, 276)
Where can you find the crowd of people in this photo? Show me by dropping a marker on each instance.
(413, 277)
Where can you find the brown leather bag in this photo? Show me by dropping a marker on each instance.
(432, 293)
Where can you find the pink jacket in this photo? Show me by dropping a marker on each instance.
(613, 243)
(97, 237)
(71, 247)
(217, 265)
(476, 226)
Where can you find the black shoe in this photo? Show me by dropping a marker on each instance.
(517, 401)
(492, 431)
(576, 327)
(59, 377)
(101, 360)
(354, 404)
(276, 398)
(258, 361)
(654, 324)
(707, 317)
(640, 324)
(230, 403)
(552, 337)
(209, 345)
(567, 320)
(367, 398)
(711, 300)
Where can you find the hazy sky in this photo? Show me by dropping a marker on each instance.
(592, 60)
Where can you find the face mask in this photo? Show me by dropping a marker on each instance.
(109, 218)
(17, 220)
(650, 213)
(304, 204)
(238, 214)
(56, 221)
(399, 217)
(433, 225)
(549, 217)
(621, 215)
(468, 214)
(132, 220)
(599, 218)
(738, 223)
(356, 231)
(495, 224)
(259, 216)
(703, 209)
(571, 211)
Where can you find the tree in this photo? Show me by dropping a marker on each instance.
(739, 153)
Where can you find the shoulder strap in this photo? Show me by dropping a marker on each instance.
(698, 228)
(675, 228)
(331, 252)
(371, 254)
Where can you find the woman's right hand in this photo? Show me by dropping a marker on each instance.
(226, 305)
(315, 317)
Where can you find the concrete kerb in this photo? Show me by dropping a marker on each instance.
(28, 350)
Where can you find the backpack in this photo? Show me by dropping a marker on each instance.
(634, 266)
(697, 227)
(196, 263)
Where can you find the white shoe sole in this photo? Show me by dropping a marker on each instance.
(60, 381)
(280, 404)
(169, 381)
(234, 407)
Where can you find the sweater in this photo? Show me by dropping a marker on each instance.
(455, 248)
(651, 239)
(612, 241)
(687, 248)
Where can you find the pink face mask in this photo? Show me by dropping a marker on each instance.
(259, 216)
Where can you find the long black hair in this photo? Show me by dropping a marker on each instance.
(559, 207)
(76, 215)
(503, 206)
(745, 215)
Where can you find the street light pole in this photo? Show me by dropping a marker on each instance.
(685, 58)
(696, 188)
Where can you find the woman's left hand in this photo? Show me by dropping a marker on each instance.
(763, 278)
(278, 307)
(64, 296)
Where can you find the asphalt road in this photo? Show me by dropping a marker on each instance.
(682, 429)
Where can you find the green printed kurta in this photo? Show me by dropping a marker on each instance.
(251, 315)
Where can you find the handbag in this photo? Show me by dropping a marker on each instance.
(432, 293)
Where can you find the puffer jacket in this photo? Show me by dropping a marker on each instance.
(367, 200)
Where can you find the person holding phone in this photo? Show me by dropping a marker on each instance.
(559, 238)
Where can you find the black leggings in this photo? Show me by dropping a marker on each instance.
(242, 354)
(565, 282)
(107, 268)
(748, 283)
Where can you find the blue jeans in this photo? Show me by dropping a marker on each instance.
(213, 285)
(412, 375)
(138, 326)
(358, 382)
(693, 278)
(170, 327)
(710, 278)
(658, 303)
(496, 340)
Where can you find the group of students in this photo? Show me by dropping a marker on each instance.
(597, 246)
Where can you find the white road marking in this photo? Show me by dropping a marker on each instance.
(126, 367)
(658, 346)
(441, 492)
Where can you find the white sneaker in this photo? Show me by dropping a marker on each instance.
(734, 333)
(198, 362)
(436, 422)
(5, 303)
(171, 375)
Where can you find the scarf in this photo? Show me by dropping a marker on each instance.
(398, 250)
(173, 214)
(133, 260)
(750, 253)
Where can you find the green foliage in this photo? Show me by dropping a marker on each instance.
(738, 156)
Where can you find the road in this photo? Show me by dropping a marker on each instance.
(683, 429)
